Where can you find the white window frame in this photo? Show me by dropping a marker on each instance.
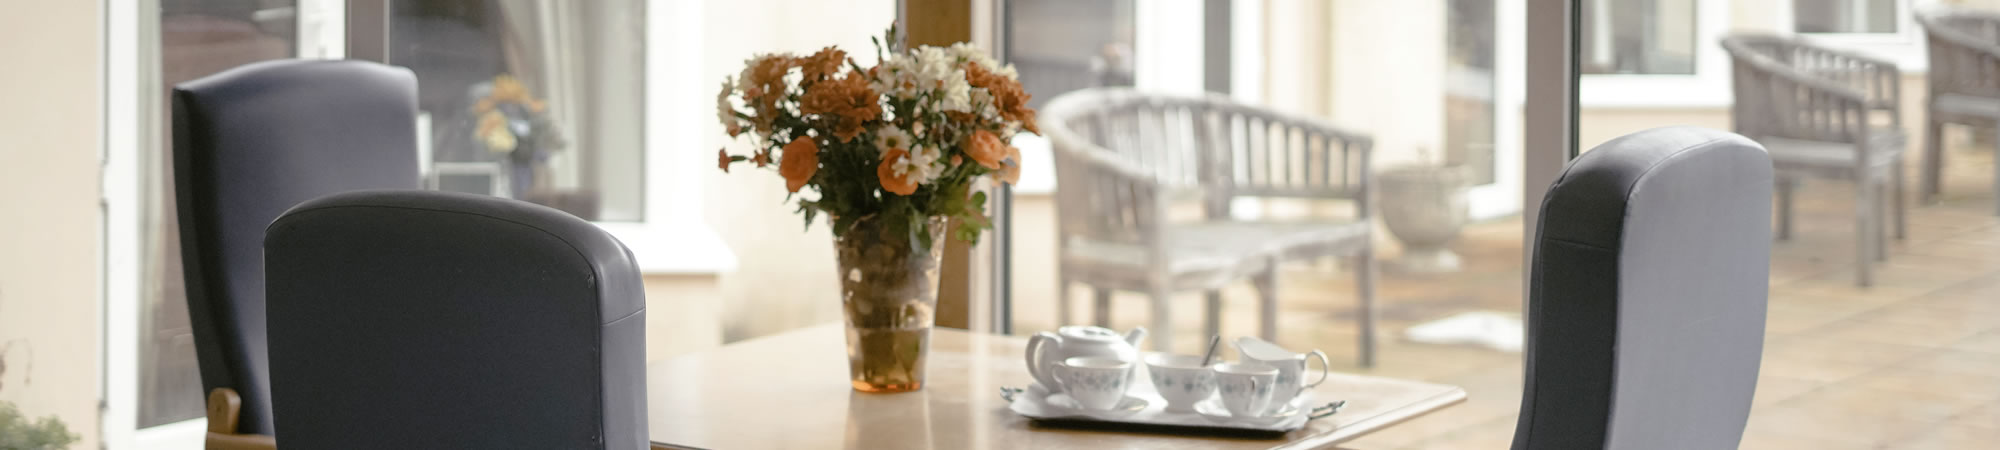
(1503, 197)
(1905, 46)
(1707, 87)
(673, 239)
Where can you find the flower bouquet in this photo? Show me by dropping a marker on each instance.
(513, 124)
(891, 154)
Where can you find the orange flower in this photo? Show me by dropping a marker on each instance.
(848, 103)
(1010, 172)
(1008, 98)
(762, 158)
(722, 160)
(821, 65)
(903, 185)
(763, 86)
(800, 161)
(985, 149)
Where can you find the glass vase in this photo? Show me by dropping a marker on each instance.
(888, 290)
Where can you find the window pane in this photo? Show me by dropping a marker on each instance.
(1420, 81)
(1845, 16)
(1468, 110)
(1060, 46)
(197, 38)
(1653, 37)
(532, 100)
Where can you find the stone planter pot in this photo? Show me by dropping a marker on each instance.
(1424, 207)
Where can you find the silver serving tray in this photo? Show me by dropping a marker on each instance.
(1037, 403)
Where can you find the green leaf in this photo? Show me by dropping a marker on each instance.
(842, 224)
(809, 213)
(923, 230)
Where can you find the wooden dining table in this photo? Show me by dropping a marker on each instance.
(791, 390)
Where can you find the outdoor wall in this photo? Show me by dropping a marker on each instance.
(1597, 125)
(1387, 74)
(49, 234)
(1297, 49)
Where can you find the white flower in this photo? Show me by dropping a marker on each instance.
(898, 78)
(955, 94)
(724, 110)
(890, 138)
(965, 51)
(934, 66)
(982, 103)
(922, 162)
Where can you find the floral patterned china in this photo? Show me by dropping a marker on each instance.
(1246, 387)
(1124, 407)
(1095, 382)
(1214, 410)
(1180, 379)
(1291, 366)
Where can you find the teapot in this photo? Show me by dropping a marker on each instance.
(1046, 350)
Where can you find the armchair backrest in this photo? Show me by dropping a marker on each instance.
(1786, 88)
(1647, 295)
(250, 143)
(1964, 51)
(425, 319)
(1120, 153)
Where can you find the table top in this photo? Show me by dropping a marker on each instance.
(791, 391)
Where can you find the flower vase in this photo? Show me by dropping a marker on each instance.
(888, 287)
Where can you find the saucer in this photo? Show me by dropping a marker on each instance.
(1125, 407)
(1213, 410)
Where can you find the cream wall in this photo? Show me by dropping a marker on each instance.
(785, 276)
(49, 147)
(1292, 83)
(1388, 74)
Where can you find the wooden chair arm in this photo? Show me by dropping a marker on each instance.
(225, 409)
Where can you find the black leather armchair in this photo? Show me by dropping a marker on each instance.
(423, 319)
(1648, 292)
(249, 143)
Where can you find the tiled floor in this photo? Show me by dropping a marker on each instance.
(1912, 362)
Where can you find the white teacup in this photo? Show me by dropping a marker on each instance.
(1180, 379)
(1246, 387)
(1095, 382)
(1292, 371)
